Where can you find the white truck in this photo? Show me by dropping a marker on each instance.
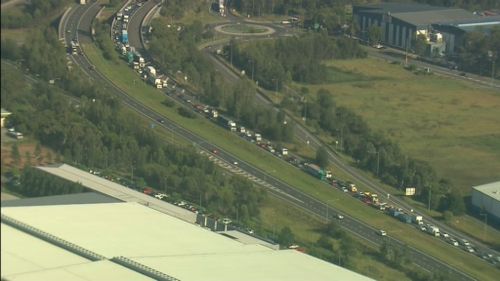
(258, 137)
(151, 71)
(433, 230)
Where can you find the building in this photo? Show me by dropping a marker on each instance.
(130, 241)
(486, 198)
(400, 24)
(4, 116)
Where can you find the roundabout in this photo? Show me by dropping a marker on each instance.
(244, 29)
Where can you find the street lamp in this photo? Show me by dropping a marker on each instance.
(485, 223)
(253, 65)
(493, 56)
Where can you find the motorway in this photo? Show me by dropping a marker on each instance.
(303, 135)
(79, 22)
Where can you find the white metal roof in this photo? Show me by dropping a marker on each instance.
(490, 189)
(117, 191)
(24, 257)
(177, 248)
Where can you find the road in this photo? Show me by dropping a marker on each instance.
(303, 135)
(80, 20)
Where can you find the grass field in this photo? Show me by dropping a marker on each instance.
(453, 125)
(276, 214)
(122, 75)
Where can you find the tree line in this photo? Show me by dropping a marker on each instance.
(36, 183)
(177, 49)
(375, 152)
(275, 63)
(480, 52)
(30, 13)
(89, 127)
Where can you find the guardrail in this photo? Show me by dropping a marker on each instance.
(60, 30)
(114, 18)
(145, 20)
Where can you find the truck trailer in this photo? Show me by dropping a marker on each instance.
(124, 36)
(315, 171)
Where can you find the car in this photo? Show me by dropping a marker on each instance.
(215, 151)
(340, 217)
(161, 120)
(454, 242)
(470, 249)
(250, 231)
(423, 228)
(382, 233)
(235, 162)
(293, 246)
(446, 235)
(465, 242)
(463, 74)
(226, 221)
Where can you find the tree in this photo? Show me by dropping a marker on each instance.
(16, 156)
(421, 45)
(322, 157)
(374, 34)
(286, 236)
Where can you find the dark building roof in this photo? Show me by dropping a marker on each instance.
(67, 199)
(419, 15)
(383, 8)
(426, 18)
(482, 24)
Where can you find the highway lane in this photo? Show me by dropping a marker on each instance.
(303, 135)
(309, 203)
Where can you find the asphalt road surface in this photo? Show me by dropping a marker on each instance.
(80, 20)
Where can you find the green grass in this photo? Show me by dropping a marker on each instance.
(122, 75)
(453, 125)
(243, 28)
(276, 214)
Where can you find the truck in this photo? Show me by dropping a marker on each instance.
(258, 137)
(142, 62)
(228, 123)
(353, 188)
(124, 36)
(328, 174)
(284, 151)
(315, 171)
(151, 71)
(125, 18)
(417, 219)
(433, 230)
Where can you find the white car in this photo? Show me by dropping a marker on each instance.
(470, 250)
(382, 233)
(340, 217)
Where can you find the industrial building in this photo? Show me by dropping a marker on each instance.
(400, 24)
(486, 199)
(4, 116)
(130, 241)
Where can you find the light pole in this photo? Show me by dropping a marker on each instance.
(305, 110)
(493, 56)
(253, 64)
(429, 203)
(377, 151)
(485, 223)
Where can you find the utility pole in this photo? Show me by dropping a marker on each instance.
(429, 204)
(378, 160)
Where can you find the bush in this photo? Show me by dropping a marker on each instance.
(168, 103)
(186, 113)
